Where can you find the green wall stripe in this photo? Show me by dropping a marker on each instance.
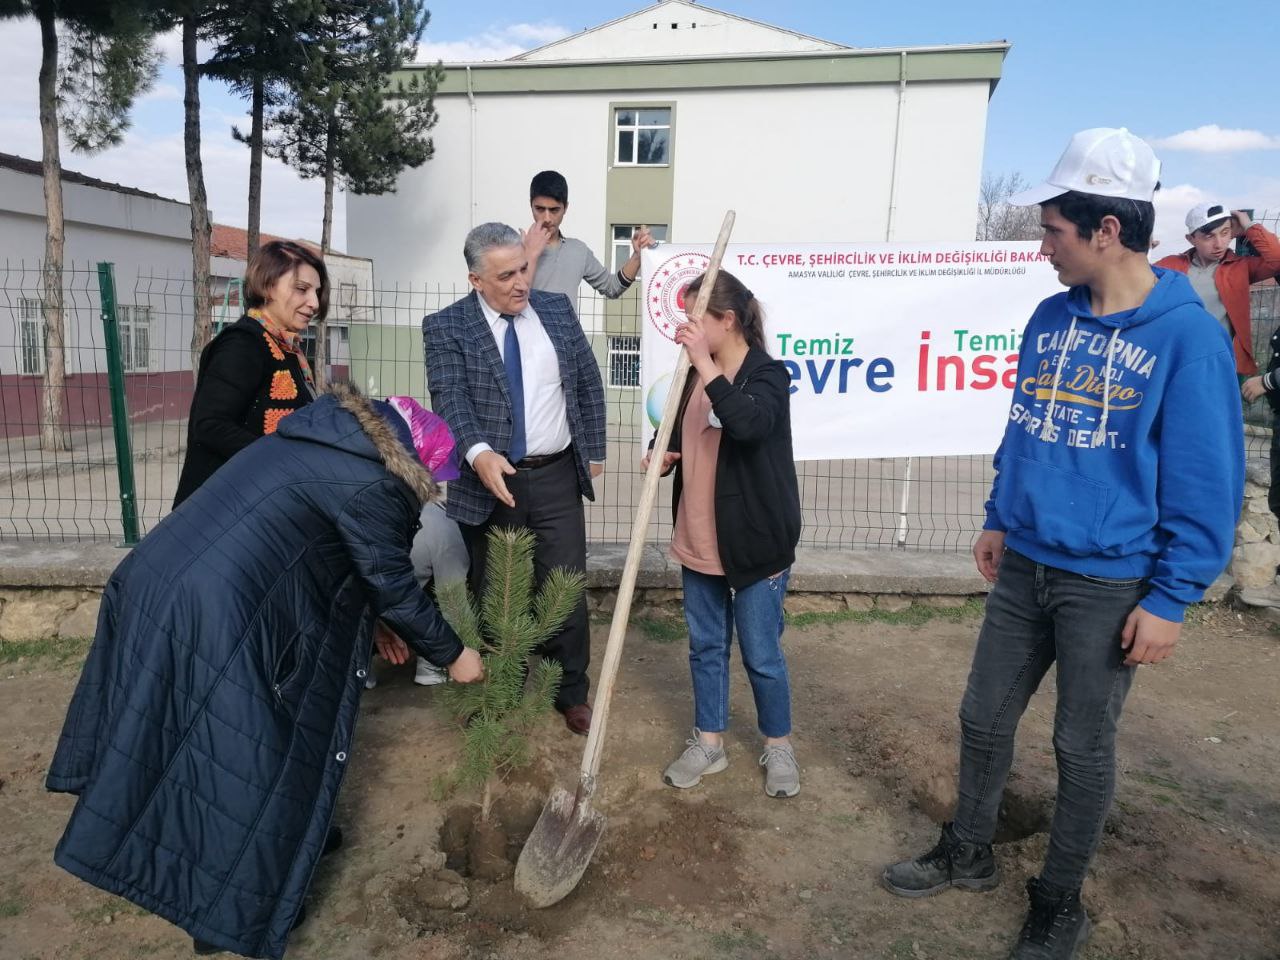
(854, 67)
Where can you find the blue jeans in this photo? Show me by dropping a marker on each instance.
(1037, 615)
(712, 610)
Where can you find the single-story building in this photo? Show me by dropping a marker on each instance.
(148, 239)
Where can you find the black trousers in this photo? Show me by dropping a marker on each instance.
(549, 504)
(1273, 495)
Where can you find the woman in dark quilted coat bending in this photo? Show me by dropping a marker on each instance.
(210, 731)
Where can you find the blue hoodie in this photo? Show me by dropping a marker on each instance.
(1124, 452)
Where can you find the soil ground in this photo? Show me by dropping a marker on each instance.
(1189, 866)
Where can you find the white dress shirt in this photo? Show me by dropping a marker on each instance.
(546, 425)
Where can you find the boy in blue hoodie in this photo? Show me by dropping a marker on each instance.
(1117, 487)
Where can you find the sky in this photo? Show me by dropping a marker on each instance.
(1191, 80)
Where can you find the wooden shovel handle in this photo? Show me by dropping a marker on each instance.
(639, 532)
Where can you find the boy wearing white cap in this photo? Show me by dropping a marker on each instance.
(1113, 508)
(1220, 277)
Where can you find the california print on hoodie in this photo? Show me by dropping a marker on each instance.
(1123, 456)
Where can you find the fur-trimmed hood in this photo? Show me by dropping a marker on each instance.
(324, 422)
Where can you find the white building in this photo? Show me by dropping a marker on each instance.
(669, 117)
(148, 240)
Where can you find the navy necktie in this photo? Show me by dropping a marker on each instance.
(515, 386)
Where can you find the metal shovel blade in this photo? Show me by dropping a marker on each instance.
(558, 850)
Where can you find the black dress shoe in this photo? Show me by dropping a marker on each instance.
(578, 719)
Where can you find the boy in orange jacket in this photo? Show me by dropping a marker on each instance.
(1220, 276)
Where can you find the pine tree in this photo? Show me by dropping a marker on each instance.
(508, 625)
(259, 50)
(343, 120)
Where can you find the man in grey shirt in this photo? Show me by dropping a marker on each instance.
(562, 263)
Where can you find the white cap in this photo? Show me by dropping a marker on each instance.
(1202, 215)
(1105, 162)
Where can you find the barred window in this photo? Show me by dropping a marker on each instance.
(624, 362)
(30, 336)
(135, 337)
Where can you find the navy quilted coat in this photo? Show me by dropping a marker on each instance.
(212, 725)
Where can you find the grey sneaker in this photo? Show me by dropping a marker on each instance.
(951, 863)
(1055, 928)
(781, 773)
(427, 675)
(697, 761)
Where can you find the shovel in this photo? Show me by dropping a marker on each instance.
(566, 835)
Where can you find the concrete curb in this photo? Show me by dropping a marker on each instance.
(816, 570)
(34, 564)
(42, 564)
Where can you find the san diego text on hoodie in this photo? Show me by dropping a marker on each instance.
(1123, 456)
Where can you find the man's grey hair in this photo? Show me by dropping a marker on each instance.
(486, 237)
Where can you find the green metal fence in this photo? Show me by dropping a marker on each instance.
(129, 385)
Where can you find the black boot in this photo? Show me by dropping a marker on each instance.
(1056, 925)
(203, 948)
(951, 863)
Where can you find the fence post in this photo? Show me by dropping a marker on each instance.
(119, 409)
(906, 502)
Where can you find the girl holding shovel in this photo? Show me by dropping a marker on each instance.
(736, 504)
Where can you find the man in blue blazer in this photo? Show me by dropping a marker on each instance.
(511, 372)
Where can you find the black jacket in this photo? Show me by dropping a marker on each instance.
(1271, 379)
(757, 496)
(245, 385)
(210, 731)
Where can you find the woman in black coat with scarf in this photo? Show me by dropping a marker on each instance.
(255, 372)
(209, 734)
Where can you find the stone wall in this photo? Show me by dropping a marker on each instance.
(43, 612)
(1257, 550)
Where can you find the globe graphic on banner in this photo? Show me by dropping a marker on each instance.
(657, 399)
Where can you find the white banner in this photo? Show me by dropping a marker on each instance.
(894, 349)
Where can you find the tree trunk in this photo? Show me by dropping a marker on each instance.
(486, 801)
(326, 244)
(255, 163)
(52, 436)
(201, 229)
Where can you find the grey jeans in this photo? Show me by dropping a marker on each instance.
(1037, 615)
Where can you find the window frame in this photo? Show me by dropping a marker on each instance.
(634, 129)
(617, 352)
(621, 246)
(129, 318)
(31, 314)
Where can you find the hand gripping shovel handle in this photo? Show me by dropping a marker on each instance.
(639, 532)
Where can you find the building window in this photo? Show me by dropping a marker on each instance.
(31, 336)
(135, 337)
(624, 362)
(622, 240)
(642, 137)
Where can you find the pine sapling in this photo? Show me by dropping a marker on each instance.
(506, 626)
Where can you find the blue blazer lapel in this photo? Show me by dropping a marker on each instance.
(478, 330)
